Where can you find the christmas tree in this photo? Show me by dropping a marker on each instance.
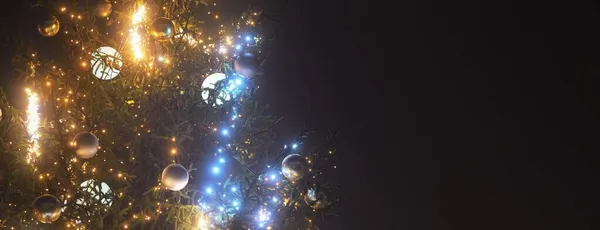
(152, 124)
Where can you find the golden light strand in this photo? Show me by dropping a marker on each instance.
(33, 123)
(136, 39)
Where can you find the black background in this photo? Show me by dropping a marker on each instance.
(453, 114)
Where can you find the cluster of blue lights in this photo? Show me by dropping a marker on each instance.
(221, 198)
(242, 41)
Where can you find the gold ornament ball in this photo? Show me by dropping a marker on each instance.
(162, 29)
(103, 9)
(46, 208)
(48, 26)
(86, 145)
(175, 177)
(294, 167)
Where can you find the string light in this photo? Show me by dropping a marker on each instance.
(136, 39)
(227, 48)
(33, 123)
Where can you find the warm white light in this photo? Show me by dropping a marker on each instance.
(33, 118)
(203, 222)
(33, 123)
(135, 37)
(138, 15)
(223, 50)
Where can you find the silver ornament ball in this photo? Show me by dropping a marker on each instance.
(48, 26)
(46, 208)
(246, 65)
(294, 167)
(315, 198)
(175, 177)
(86, 145)
(162, 29)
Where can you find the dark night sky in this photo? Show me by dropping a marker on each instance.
(453, 114)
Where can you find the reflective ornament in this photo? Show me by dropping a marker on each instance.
(246, 65)
(162, 29)
(175, 177)
(91, 190)
(294, 167)
(106, 63)
(46, 208)
(210, 83)
(0, 114)
(48, 26)
(86, 145)
(315, 198)
(103, 9)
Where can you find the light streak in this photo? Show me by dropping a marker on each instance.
(136, 38)
(33, 123)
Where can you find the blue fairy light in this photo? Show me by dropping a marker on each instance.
(238, 47)
(205, 206)
(248, 38)
(209, 190)
(222, 160)
(235, 203)
(275, 200)
(225, 132)
(220, 150)
(273, 177)
(215, 170)
(294, 146)
(263, 216)
(233, 189)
